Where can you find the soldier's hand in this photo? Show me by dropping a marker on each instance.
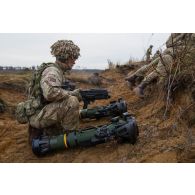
(77, 94)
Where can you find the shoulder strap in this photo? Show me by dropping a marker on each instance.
(35, 88)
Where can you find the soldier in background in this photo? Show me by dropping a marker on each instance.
(176, 43)
(176, 39)
(156, 55)
(156, 68)
(56, 107)
(149, 53)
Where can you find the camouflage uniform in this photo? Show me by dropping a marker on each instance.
(176, 39)
(156, 65)
(148, 67)
(177, 43)
(59, 110)
(183, 43)
(62, 108)
(160, 66)
(149, 53)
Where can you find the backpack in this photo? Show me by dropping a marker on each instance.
(26, 109)
(35, 87)
(35, 100)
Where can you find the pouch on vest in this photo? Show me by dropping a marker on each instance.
(26, 109)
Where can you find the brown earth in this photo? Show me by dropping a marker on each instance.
(160, 139)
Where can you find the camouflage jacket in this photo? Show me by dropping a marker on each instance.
(45, 87)
(149, 51)
(51, 81)
(180, 39)
(47, 83)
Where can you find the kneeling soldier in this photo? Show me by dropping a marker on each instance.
(49, 105)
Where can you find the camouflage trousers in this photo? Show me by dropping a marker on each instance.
(146, 68)
(157, 68)
(62, 115)
(148, 58)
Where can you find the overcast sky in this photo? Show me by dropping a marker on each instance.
(28, 49)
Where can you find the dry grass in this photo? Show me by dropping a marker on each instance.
(81, 77)
(159, 140)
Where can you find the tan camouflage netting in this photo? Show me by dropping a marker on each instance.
(65, 49)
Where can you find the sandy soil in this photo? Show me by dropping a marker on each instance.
(160, 140)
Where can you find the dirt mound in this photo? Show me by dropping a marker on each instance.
(15, 81)
(20, 87)
(160, 140)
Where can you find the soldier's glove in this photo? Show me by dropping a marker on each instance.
(76, 93)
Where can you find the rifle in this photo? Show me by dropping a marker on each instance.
(88, 95)
(69, 86)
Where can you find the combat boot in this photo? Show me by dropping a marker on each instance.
(139, 90)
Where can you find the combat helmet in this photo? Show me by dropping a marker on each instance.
(65, 49)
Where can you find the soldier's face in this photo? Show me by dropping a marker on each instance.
(70, 63)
